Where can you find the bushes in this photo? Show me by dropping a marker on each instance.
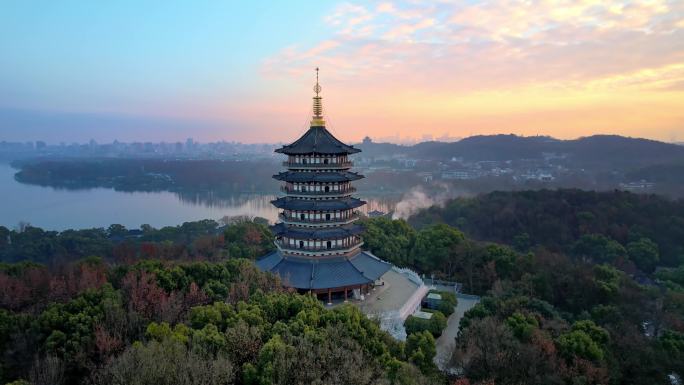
(434, 325)
(432, 249)
(248, 239)
(447, 305)
(420, 350)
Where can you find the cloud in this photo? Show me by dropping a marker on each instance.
(534, 66)
(474, 46)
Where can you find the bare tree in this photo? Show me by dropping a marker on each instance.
(48, 370)
(165, 363)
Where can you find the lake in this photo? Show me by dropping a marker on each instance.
(59, 209)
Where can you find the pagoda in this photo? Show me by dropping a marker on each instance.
(318, 243)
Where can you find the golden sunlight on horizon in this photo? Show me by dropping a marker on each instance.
(406, 71)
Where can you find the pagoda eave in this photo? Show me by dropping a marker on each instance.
(321, 177)
(283, 230)
(333, 273)
(320, 205)
(317, 140)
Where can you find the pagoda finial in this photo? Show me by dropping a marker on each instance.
(317, 120)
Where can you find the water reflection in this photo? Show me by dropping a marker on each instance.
(64, 208)
(260, 204)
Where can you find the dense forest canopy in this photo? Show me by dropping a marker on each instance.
(242, 237)
(616, 226)
(577, 288)
(181, 305)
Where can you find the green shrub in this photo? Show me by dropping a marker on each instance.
(434, 325)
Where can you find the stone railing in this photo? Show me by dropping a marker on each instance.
(318, 165)
(291, 191)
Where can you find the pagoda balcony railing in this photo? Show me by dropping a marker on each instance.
(294, 220)
(313, 251)
(317, 165)
(309, 193)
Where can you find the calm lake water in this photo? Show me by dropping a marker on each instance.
(59, 209)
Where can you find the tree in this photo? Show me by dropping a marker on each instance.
(435, 325)
(248, 239)
(168, 362)
(435, 248)
(389, 239)
(585, 340)
(607, 281)
(489, 353)
(486, 350)
(329, 358)
(673, 343)
(420, 349)
(116, 230)
(447, 305)
(644, 253)
(47, 370)
(4, 236)
(599, 248)
(522, 325)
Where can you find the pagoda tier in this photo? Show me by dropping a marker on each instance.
(322, 162)
(337, 232)
(318, 219)
(299, 204)
(318, 176)
(318, 244)
(322, 275)
(306, 190)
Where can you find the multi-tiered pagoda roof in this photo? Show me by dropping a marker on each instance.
(318, 243)
(317, 140)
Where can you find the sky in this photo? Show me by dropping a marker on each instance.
(395, 71)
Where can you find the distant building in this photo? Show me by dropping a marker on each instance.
(376, 214)
(535, 176)
(637, 186)
(425, 176)
(459, 174)
(409, 163)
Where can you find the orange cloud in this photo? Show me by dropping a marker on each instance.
(563, 68)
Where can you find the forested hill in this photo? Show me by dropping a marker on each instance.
(180, 305)
(149, 174)
(610, 150)
(605, 226)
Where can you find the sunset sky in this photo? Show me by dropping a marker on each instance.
(397, 71)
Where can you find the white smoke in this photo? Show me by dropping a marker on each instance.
(417, 199)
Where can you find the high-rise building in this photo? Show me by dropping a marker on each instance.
(318, 242)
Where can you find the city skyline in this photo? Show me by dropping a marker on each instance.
(75, 71)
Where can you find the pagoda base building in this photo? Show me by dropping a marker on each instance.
(318, 242)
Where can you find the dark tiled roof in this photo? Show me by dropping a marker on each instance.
(268, 261)
(316, 233)
(303, 176)
(317, 140)
(323, 205)
(323, 273)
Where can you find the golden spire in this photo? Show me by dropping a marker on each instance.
(317, 120)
